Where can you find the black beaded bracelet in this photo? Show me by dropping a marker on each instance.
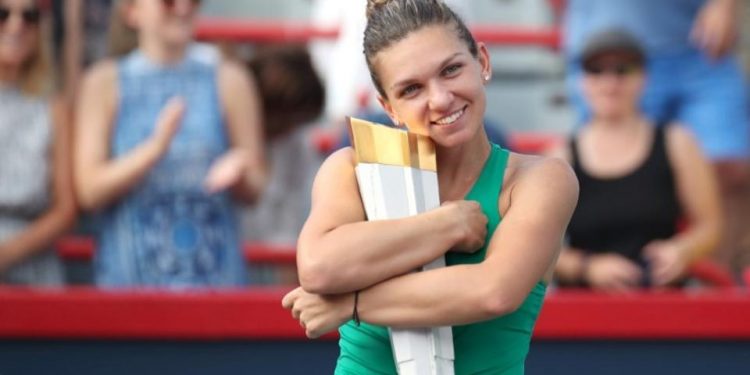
(355, 314)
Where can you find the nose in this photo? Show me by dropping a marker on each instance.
(440, 97)
(13, 24)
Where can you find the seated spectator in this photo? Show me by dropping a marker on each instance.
(637, 181)
(36, 194)
(163, 137)
(694, 78)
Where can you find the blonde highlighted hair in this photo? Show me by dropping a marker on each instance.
(38, 76)
(122, 37)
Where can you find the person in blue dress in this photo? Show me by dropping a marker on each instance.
(167, 139)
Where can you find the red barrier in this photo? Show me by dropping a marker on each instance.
(296, 32)
(82, 249)
(257, 314)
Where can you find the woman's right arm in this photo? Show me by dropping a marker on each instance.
(339, 251)
(100, 180)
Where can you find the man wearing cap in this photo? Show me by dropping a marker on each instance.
(694, 77)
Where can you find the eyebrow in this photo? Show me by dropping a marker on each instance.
(408, 81)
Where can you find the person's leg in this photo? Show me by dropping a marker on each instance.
(714, 106)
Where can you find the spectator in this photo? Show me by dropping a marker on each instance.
(636, 182)
(292, 97)
(162, 135)
(36, 194)
(694, 78)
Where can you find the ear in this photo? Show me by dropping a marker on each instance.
(484, 61)
(128, 14)
(389, 110)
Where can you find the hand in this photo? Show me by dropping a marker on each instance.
(318, 314)
(227, 171)
(168, 123)
(669, 262)
(715, 28)
(611, 272)
(471, 224)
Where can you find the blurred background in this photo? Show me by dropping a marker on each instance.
(77, 297)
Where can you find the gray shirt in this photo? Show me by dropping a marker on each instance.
(25, 180)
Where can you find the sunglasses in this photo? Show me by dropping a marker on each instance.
(171, 4)
(617, 69)
(29, 16)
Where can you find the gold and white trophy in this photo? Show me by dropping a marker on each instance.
(397, 176)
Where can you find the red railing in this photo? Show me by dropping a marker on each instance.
(295, 32)
(86, 313)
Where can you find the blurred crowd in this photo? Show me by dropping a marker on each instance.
(171, 154)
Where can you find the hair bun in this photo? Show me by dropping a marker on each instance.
(373, 5)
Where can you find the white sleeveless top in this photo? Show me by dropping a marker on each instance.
(25, 180)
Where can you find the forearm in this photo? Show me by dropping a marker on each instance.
(38, 236)
(100, 185)
(358, 255)
(441, 297)
(698, 241)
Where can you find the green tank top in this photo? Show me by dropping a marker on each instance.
(496, 346)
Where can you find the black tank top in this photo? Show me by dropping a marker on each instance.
(621, 215)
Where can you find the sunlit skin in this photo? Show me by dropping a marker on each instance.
(18, 40)
(435, 86)
(433, 79)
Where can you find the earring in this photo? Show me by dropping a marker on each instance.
(487, 77)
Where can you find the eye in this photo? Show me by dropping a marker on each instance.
(451, 70)
(409, 90)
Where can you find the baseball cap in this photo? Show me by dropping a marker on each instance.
(612, 41)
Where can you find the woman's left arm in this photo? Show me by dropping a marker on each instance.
(61, 215)
(521, 251)
(698, 193)
(242, 168)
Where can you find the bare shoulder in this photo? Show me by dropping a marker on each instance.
(338, 165)
(335, 193)
(680, 139)
(232, 73)
(551, 179)
(98, 94)
(101, 74)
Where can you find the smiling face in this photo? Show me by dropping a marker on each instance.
(169, 21)
(434, 85)
(19, 31)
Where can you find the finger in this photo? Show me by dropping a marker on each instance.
(297, 313)
(629, 276)
(224, 173)
(288, 301)
(171, 115)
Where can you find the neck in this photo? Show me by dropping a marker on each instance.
(160, 53)
(460, 166)
(622, 122)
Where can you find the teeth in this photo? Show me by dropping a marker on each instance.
(450, 119)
